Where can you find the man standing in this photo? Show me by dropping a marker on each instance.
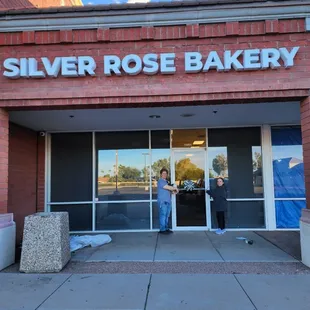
(164, 191)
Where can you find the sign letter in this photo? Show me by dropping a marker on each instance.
(288, 57)
(112, 64)
(232, 60)
(269, 58)
(11, 68)
(33, 69)
(136, 69)
(193, 62)
(251, 59)
(167, 63)
(86, 64)
(213, 62)
(52, 69)
(150, 64)
(68, 67)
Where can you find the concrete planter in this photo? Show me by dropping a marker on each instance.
(305, 237)
(46, 244)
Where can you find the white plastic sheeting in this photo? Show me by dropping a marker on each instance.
(79, 242)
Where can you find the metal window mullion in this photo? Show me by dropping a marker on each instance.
(150, 180)
(207, 182)
(270, 214)
(94, 181)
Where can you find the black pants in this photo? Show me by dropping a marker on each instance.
(220, 215)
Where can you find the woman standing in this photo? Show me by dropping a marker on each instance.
(219, 195)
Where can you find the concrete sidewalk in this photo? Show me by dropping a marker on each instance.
(154, 292)
(182, 271)
(184, 247)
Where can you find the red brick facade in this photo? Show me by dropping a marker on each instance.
(141, 90)
(22, 175)
(4, 160)
(305, 127)
(152, 90)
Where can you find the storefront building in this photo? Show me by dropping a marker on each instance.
(95, 102)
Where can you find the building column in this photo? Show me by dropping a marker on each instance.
(305, 218)
(4, 160)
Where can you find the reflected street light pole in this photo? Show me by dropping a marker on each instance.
(116, 172)
(145, 174)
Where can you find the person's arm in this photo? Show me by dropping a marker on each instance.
(169, 188)
(210, 192)
(164, 185)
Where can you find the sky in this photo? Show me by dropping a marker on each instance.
(94, 2)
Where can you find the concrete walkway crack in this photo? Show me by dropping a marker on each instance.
(245, 292)
(147, 292)
(219, 253)
(155, 250)
(50, 295)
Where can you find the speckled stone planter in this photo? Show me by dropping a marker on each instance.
(305, 236)
(46, 245)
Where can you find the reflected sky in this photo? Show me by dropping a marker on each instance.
(286, 151)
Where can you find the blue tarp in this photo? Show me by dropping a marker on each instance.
(289, 180)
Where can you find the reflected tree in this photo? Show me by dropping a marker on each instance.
(257, 161)
(186, 170)
(126, 173)
(220, 165)
(158, 165)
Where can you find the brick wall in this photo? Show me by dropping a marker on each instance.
(305, 128)
(22, 175)
(158, 88)
(41, 175)
(4, 149)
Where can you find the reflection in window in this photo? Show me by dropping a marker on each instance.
(242, 214)
(235, 155)
(123, 165)
(288, 175)
(160, 144)
(190, 177)
(288, 213)
(80, 216)
(188, 138)
(189, 169)
(123, 216)
(288, 167)
(71, 167)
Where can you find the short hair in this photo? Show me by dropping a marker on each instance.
(163, 170)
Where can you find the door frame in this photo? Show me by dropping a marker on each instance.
(204, 151)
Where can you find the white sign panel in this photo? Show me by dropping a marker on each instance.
(150, 64)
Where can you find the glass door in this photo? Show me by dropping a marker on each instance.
(188, 174)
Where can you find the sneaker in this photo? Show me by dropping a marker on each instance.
(218, 231)
(163, 232)
(169, 231)
(223, 231)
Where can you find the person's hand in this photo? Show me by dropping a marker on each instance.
(175, 191)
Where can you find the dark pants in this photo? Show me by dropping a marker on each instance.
(220, 215)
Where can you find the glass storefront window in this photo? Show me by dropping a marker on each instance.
(71, 167)
(288, 166)
(188, 138)
(160, 146)
(123, 216)
(243, 214)
(80, 216)
(235, 154)
(123, 165)
(190, 179)
(288, 175)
